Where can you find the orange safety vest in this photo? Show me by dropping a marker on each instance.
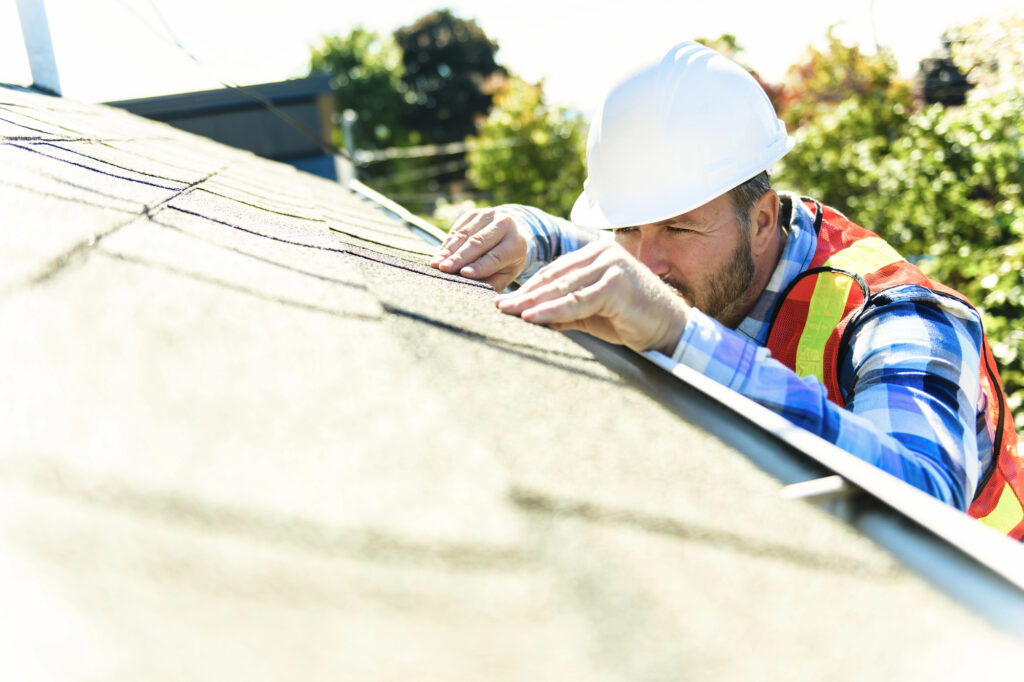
(821, 302)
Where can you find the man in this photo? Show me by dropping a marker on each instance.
(779, 298)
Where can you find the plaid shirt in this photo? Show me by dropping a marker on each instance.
(910, 378)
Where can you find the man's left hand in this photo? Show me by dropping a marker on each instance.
(602, 290)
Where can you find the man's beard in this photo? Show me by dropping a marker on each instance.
(725, 287)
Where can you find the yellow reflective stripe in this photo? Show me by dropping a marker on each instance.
(828, 301)
(864, 256)
(1007, 514)
(823, 314)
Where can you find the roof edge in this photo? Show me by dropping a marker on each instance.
(430, 233)
(970, 562)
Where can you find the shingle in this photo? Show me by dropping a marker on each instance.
(329, 284)
(266, 609)
(156, 167)
(611, 449)
(260, 224)
(280, 189)
(231, 399)
(79, 210)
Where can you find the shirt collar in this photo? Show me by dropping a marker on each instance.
(801, 243)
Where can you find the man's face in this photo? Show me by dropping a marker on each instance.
(702, 254)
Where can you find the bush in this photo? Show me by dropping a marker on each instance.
(527, 152)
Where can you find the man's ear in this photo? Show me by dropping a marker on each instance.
(764, 220)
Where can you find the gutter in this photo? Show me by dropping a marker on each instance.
(428, 232)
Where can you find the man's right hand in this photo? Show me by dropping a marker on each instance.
(487, 244)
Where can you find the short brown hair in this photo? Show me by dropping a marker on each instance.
(745, 195)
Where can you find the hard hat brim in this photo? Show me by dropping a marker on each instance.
(588, 212)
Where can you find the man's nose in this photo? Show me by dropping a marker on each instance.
(649, 251)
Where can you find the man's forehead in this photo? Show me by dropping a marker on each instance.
(682, 220)
(705, 215)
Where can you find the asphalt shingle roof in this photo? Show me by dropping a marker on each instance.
(250, 434)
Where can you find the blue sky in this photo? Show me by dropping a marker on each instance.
(117, 49)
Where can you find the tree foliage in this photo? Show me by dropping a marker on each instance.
(426, 83)
(990, 50)
(530, 153)
(366, 76)
(430, 82)
(448, 62)
(839, 73)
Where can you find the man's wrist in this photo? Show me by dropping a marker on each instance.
(674, 332)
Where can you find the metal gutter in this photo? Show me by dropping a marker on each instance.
(970, 562)
(428, 232)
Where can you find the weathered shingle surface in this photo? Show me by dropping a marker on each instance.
(248, 434)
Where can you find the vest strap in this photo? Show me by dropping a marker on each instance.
(828, 300)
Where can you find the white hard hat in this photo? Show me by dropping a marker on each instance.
(674, 136)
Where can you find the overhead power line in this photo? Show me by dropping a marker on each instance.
(171, 36)
(419, 151)
(365, 156)
(427, 173)
(358, 157)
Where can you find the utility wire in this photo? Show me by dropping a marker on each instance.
(361, 157)
(171, 36)
(367, 156)
(428, 173)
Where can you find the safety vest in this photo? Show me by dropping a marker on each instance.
(815, 312)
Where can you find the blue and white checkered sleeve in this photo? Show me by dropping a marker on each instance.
(912, 403)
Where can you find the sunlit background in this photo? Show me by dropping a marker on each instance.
(119, 49)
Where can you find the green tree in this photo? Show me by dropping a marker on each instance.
(366, 75)
(990, 50)
(528, 152)
(823, 79)
(448, 63)
(845, 109)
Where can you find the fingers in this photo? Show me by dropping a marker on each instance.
(484, 245)
(603, 291)
(468, 225)
(566, 265)
(569, 309)
(495, 259)
(569, 292)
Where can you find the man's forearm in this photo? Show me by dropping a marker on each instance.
(925, 442)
